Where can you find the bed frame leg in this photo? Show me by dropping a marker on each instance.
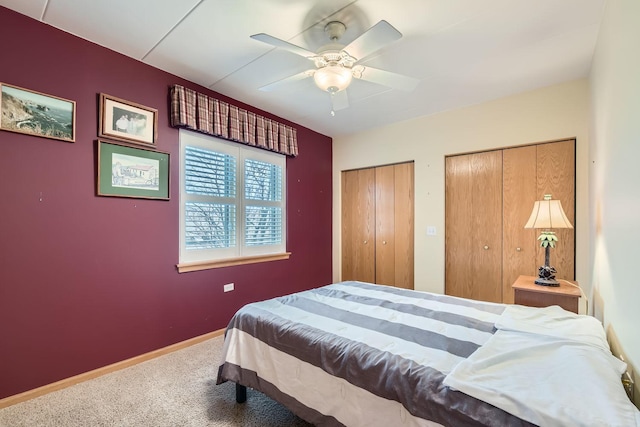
(241, 393)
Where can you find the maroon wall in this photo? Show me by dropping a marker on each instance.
(86, 281)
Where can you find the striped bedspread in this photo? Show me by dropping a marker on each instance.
(358, 354)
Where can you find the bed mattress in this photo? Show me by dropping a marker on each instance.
(358, 354)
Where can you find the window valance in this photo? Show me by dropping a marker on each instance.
(202, 113)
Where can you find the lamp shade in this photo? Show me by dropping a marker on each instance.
(548, 214)
(333, 78)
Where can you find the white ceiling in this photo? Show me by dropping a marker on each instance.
(463, 52)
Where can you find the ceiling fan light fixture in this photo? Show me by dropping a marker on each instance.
(333, 78)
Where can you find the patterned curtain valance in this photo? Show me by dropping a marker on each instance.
(199, 112)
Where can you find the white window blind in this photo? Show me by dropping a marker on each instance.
(232, 200)
(263, 195)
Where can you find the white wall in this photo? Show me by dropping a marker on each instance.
(615, 174)
(552, 113)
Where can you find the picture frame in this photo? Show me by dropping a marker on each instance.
(127, 121)
(126, 171)
(38, 114)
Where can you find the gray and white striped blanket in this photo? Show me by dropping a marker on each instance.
(358, 354)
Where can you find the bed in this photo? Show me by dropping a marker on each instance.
(359, 354)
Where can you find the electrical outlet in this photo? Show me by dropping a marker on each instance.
(431, 230)
(229, 287)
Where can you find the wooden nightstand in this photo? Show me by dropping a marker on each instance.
(528, 293)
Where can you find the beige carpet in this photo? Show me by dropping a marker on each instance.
(177, 389)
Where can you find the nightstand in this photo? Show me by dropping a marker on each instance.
(528, 293)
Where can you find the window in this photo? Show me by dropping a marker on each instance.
(232, 202)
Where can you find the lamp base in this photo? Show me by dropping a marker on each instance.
(547, 282)
(546, 276)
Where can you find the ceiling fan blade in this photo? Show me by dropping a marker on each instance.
(274, 41)
(339, 100)
(373, 39)
(278, 83)
(387, 78)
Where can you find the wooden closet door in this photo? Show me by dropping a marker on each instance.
(529, 173)
(404, 225)
(487, 226)
(556, 173)
(471, 201)
(458, 226)
(377, 225)
(394, 225)
(358, 225)
(519, 190)
(473, 226)
(385, 225)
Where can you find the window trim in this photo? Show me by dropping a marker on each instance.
(241, 254)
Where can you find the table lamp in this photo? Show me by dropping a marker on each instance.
(547, 214)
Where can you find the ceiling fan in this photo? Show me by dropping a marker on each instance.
(336, 64)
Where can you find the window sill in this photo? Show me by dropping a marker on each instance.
(186, 267)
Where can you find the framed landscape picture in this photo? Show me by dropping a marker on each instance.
(125, 171)
(127, 121)
(38, 114)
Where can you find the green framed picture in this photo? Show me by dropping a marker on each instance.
(125, 171)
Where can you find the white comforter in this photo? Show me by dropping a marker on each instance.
(549, 367)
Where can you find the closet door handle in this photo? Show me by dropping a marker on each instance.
(486, 248)
(518, 249)
(365, 242)
(384, 242)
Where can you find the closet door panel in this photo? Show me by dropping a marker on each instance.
(458, 226)
(385, 224)
(358, 225)
(556, 176)
(486, 228)
(519, 191)
(404, 225)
